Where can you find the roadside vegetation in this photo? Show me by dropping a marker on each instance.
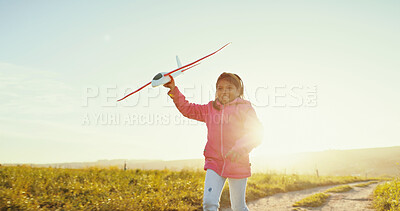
(23, 187)
(339, 189)
(318, 199)
(314, 200)
(361, 185)
(387, 196)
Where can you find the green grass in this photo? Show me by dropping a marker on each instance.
(24, 188)
(314, 200)
(339, 189)
(387, 196)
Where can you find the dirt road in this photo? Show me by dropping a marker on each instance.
(357, 199)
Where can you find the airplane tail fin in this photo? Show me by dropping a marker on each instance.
(178, 62)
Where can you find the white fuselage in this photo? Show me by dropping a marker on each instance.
(160, 79)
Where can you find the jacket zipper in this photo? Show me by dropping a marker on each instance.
(222, 145)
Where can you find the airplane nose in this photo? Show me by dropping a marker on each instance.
(158, 76)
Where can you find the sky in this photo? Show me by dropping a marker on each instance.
(322, 75)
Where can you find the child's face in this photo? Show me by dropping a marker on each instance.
(226, 91)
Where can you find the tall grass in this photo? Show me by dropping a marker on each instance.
(113, 189)
(387, 196)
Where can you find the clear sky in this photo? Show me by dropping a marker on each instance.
(321, 75)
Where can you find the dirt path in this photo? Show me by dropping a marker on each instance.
(357, 199)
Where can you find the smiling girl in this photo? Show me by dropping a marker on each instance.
(233, 131)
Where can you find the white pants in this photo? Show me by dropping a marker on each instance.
(213, 186)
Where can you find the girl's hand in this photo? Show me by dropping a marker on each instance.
(171, 84)
(234, 156)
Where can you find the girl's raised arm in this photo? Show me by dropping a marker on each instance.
(189, 110)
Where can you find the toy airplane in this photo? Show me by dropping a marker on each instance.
(164, 77)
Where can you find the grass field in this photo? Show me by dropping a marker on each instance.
(24, 187)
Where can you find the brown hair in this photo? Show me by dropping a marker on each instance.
(233, 79)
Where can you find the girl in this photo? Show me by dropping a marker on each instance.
(233, 131)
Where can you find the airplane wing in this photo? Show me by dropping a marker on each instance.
(188, 65)
(135, 91)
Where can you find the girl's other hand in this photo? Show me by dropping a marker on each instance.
(233, 155)
(171, 84)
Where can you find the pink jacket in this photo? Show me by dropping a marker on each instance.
(235, 126)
